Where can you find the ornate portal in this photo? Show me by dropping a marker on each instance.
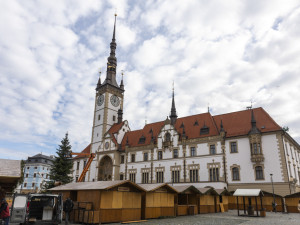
(105, 169)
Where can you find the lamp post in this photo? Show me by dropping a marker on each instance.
(274, 203)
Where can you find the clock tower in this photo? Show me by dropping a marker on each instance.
(108, 99)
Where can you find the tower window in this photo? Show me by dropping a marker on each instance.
(212, 149)
(99, 116)
(146, 156)
(159, 155)
(193, 151)
(122, 159)
(175, 153)
(114, 118)
(133, 158)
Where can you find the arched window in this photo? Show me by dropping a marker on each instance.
(168, 136)
(259, 173)
(235, 173)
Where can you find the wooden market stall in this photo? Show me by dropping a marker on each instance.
(158, 201)
(223, 199)
(103, 201)
(268, 199)
(293, 202)
(208, 200)
(187, 200)
(249, 207)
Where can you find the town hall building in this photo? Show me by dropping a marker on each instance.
(241, 149)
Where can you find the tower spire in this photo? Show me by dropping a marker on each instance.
(112, 60)
(254, 129)
(173, 114)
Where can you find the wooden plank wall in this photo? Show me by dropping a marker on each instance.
(292, 204)
(159, 204)
(120, 206)
(207, 204)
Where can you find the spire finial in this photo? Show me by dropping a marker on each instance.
(173, 114)
(114, 34)
(99, 80)
(122, 84)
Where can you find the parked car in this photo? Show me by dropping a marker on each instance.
(36, 208)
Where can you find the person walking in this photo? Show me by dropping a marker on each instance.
(4, 211)
(68, 207)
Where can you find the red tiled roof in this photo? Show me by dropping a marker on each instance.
(235, 124)
(86, 150)
(239, 123)
(114, 129)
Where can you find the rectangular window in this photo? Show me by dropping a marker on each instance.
(77, 168)
(146, 156)
(114, 118)
(26, 174)
(193, 151)
(33, 184)
(76, 179)
(132, 157)
(233, 147)
(176, 176)
(121, 177)
(99, 116)
(175, 153)
(28, 167)
(235, 173)
(34, 175)
(145, 177)
(193, 175)
(212, 149)
(159, 155)
(122, 159)
(159, 177)
(84, 164)
(259, 173)
(132, 177)
(35, 167)
(25, 184)
(255, 148)
(214, 174)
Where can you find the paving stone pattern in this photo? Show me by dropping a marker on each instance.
(228, 218)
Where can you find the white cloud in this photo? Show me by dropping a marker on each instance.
(222, 53)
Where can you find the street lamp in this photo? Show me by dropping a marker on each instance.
(274, 203)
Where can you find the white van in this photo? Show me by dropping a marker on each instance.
(36, 208)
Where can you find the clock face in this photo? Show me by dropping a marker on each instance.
(100, 100)
(115, 100)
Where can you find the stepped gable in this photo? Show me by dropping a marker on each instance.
(86, 150)
(239, 123)
(115, 129)
(192, 131)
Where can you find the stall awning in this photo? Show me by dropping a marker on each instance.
(247, 192)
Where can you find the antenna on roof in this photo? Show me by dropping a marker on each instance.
(249, 107)
(208, 107)
(146, 121)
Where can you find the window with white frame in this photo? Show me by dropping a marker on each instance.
(235, 173)
(259, 175)
(214, 174)
(233, 147)
(193, 151)
(212, 149)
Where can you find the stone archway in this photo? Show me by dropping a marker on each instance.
(105, 169)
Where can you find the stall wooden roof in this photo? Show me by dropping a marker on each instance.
(295, 195)
(222, 191)
(185, 188)
(98, 185)
(208, 190)
(154, 187)
(10, 173)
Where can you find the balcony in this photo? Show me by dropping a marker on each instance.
(166, 144)
(257, 158)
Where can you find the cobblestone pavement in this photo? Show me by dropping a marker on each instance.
(228, 218)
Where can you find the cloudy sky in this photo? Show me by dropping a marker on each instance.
(222, 53)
